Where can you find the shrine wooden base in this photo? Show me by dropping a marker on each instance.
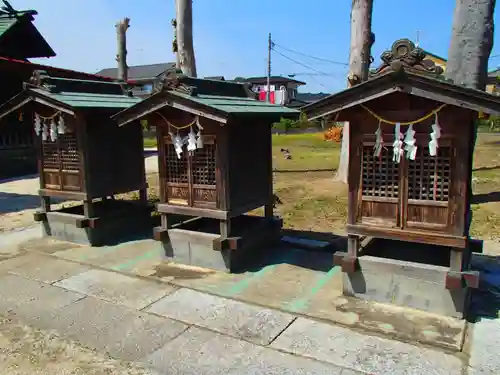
(406, 274)
(113, 221)
(198, 242)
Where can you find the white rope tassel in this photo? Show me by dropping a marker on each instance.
(410, 141)
(379, 142)
(435, 135)
(398, 144)
(37, 124)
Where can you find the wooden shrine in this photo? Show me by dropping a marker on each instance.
(412, 138)
(215, 165)
(84, 156)
(19, 41)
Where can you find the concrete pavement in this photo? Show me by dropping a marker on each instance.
(125, 301)
(181, 331)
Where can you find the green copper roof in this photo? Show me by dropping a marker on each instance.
(236, 105)
(9, 20)
(89, 100)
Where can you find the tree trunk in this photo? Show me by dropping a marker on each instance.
(359, 63)
(471, 43)
(121, 55)
(184, 18)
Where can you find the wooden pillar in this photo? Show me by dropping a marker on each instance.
(143, 196)
(225, 228)
(88, 208)
(45, 204)
(352, 245)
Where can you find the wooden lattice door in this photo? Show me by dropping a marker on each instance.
(427, 188)
(61, 164)
(191, 179)
(411, 194)
(380, 188)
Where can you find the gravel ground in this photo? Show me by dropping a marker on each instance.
(27, 351)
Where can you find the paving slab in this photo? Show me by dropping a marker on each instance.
(121, 332)
(47, 245)
(200, 352)
(32, 301)
(251, 323)
(280, 286)
(398, 322)
(41, 268)
(121, 257)
(375, 355)
(117, 288)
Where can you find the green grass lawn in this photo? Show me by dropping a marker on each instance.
(309, 152)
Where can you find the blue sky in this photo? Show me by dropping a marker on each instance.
(230, 36)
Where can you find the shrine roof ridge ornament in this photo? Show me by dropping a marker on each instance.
(404, 55)
(8, 11)
(176, 81)
(43, 80)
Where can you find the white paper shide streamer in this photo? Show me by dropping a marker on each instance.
(61, 125)
(435, 135)
(38, 124)
(379, 142)
(53, 130)
(410, 143)
(193, 140)
(45, 132)
(397, 146)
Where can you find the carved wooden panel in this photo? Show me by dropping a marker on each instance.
(380, 174)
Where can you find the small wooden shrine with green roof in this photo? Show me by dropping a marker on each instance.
(215, 165)
(19, 38)
(84, 156)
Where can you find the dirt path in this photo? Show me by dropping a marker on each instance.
(27, 351)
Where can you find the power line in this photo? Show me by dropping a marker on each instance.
(310, 75)
(301, 64)
(310, 56)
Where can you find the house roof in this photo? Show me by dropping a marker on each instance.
(67, 95)
(263, 80)
(139, 72)
(213, 99)
(29, 67)
(399, 80)
(19, 38)
(216, 78)
(435, 56)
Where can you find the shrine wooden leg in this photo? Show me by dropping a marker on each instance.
(269, 210)
(225, 228)
(45, 204)
(454, 276)
(143, 196)
(352, 245)
(88, 208)
(350, 260)
(164, 221)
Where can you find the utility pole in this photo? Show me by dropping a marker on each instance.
(269, 48)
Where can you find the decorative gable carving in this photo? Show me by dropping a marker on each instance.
(404, 54)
